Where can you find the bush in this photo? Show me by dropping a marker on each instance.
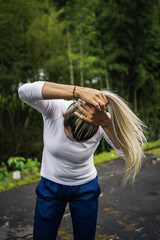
(29, 171)
(31, 166)
(16, 163)
(3, 172)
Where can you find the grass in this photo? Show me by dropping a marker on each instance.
(9, 183)
(105, 157)
(150, 145)
(109, 156)
(153, 151)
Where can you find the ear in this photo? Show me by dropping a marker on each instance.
(63, 114)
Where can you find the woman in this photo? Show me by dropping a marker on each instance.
(72, 132)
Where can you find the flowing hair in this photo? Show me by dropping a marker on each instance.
(128, 130)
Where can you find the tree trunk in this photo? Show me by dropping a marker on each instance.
(107, 81)
(101, 83)
(70, 58)
(81, 63)
(135, 99)
(24, 129)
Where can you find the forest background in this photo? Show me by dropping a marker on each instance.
(103, 44)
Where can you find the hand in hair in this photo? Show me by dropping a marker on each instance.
(93, 97)
(92, 115)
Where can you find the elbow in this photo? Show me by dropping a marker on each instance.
(22, 92)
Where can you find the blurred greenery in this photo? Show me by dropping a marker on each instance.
(95, 43)
(151, 145)
(3, 172)
(154, 151)
(29, 169)
(16, 163)
(151, 148)
(9, 183)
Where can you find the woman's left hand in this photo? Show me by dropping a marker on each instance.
(92, 115)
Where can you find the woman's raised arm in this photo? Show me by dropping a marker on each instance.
(58, 91)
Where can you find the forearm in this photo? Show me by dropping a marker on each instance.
(110, 134)
(107, 127)
(58, 91)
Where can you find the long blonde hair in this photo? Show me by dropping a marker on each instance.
(128, 130)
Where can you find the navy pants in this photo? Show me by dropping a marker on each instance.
(50, 206)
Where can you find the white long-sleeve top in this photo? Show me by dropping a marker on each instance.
(63, 161)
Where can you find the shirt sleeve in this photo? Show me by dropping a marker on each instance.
(105, 136)
(31, 94)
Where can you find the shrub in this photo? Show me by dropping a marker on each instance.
(31, 166)
(3, 172)
(16, 163)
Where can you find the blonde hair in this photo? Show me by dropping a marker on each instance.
(128, 130)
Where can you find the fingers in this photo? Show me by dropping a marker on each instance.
(96, 99)
(105, 100)
(102, 101)
(98, 104)
(85, 110)
(89, 113)
(82, 110)
(82, 117)
(101, 104)
(87, 106)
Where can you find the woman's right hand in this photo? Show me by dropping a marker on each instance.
(92, 96)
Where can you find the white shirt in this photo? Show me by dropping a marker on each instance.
(63, 161)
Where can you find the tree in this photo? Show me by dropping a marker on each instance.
(128, 33)
(31, 44)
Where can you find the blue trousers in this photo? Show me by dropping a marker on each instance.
(50, 206)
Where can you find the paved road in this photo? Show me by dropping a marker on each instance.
(125, 213)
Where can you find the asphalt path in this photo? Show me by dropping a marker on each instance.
(125, 213)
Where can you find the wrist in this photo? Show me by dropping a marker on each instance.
(77, 92)
(105, 121)
(105, 125)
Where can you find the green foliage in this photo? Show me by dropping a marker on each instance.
(9, 183)
(105, 157)
(27, 166)
(29, 169)
(31, 166)
(153, 151)
(151, 147)
(3, 172)
(115, 42)
(154, 144)
(16, 163)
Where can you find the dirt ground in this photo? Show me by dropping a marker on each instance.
(125, 213)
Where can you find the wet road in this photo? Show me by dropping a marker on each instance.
(125, 213)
